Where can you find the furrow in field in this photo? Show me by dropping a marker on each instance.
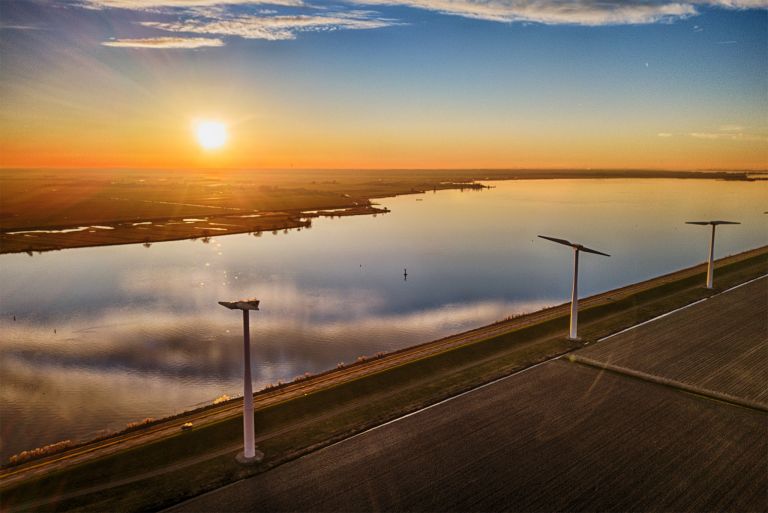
(720, 345)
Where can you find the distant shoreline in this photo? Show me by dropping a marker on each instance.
(48, 210)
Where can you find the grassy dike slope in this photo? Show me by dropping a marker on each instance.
(166, 471)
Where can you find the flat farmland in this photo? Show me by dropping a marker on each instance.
(559, 437)
(720, 345)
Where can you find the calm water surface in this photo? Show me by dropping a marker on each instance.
(138, 332)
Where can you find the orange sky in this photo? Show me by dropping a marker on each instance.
(250, 147)
(384, 90)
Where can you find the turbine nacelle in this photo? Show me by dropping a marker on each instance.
(579, 247)
(712, 223)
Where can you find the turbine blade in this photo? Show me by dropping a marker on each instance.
(559, 241)
(725, 222)
(596, 252)
(703, 223)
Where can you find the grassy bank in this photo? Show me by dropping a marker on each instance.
(164, 472)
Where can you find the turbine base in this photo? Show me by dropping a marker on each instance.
(241, 459)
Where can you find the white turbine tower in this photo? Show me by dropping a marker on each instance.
(711, 266)
(249, 454)
(575, 293)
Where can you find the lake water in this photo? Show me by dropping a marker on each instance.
(105, 336)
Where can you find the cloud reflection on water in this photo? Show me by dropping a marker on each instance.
(199, 346)
(107, 368)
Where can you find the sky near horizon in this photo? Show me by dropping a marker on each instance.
(660, 84)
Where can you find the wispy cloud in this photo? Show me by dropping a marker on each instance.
(165, 42)
(554, 12)
(571, 12)
(737, 4)
(274, 27)
(181, 4)
(724, 133)
(283, 19)
(588, 12)
(18, 26)
(729, 136)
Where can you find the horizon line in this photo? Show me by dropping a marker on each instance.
(354, 168)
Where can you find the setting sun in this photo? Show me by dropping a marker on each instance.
(211, 135)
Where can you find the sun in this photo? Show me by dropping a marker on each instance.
(211, 135)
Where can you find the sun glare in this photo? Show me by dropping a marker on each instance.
(211, 134)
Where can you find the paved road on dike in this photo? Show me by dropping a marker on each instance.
(560, 436)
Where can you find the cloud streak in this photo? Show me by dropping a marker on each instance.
(571, 12)
(141, 5)
(554, 12)
(275, 27)
(277, 20)
(726, 133)
(12, 26)
(738, 4)
(729, 136)
(165, 42)
(579, 12)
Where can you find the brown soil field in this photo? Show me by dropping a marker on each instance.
(720, 345)
(560, 437)
(123, 206)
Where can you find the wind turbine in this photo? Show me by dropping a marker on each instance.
(250, 454)
(575, 292)
(711, 266)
